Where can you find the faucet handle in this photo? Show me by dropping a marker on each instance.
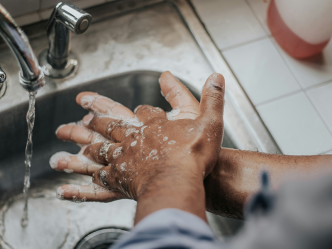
(74, 18)
(2, 76)
(3, 85)
(58, 61)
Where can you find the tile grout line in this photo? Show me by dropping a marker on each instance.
(325, 153)
(303, 90)
(255, 14)
(325, 83)
(244, 43)
(279, 98)
(289, 68)
(323, 120)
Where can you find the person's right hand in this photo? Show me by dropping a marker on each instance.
(178, 96)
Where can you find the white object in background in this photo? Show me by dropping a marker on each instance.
(301, 27)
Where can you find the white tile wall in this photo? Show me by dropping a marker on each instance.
(321, 97)
(261, 71)
(312, 71)
(293, 97)
(229, 22)
(259, 8)
(296, 126)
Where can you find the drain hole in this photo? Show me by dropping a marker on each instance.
(100, 239)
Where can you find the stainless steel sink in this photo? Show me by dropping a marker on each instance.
(121, 56)
(131, 89)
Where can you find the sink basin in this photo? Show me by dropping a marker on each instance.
(121, 56)
(131, 89)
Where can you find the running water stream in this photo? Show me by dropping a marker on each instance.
(28, 155)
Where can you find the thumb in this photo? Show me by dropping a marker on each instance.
(212, 101)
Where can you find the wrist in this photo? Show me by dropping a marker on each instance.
(178, 190)
(221, 186)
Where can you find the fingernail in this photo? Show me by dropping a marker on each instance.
(87, 119)
(60, 157)
(86, 100)
(217, 80)
(56, 132)
(137, 108)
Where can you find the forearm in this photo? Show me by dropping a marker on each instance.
(237, 176)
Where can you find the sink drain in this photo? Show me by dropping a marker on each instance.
(100, 239)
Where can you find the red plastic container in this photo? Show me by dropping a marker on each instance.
(301, 27)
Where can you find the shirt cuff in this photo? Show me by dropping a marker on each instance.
(170, 228)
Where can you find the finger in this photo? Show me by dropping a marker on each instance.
(212, 103)
(178, 96)
(100, 104)
(106, 177)
(103, 153)
(64, 161)
(113, 129)
(149, 114)
(93, 192)
(78, 134)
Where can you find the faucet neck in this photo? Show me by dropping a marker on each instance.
(59, 45)
(19, 45)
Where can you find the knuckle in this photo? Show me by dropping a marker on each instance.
(216, 98)
(142, 108)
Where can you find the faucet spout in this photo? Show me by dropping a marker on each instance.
(31, 76)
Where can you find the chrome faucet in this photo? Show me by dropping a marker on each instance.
(31, 77)
(58, 61)
(2, 82)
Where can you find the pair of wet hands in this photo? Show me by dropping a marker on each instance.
(124, 152)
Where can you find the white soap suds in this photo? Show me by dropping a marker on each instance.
(172, 142)
(172, 114)
(59, 156)
(87, 100)
(165, 138)
(142, 129)
(123, 166)
(133, 143)
(97, 138)
(77, 200)
(153, 153)
(130, 131)
(87, 121)
(190, 129)
(60, 193)
(97, 189)
(86, 162)
(117, 152)
(103, 177)
(56, 132)
(68, 171)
